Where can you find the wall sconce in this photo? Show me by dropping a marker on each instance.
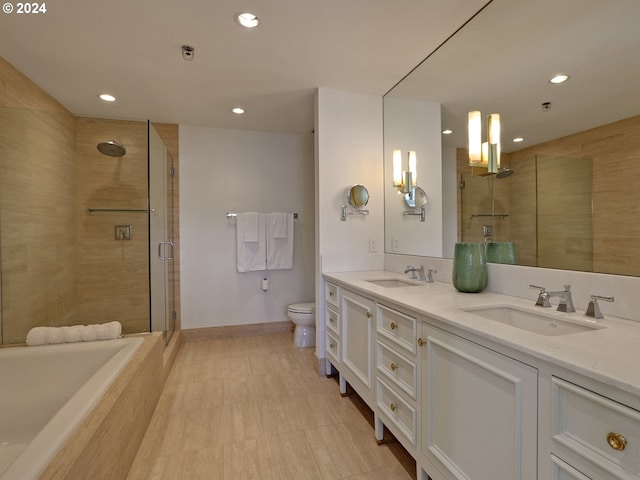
(485, 155)
(404, 180)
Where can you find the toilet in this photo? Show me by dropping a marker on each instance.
(303, 315)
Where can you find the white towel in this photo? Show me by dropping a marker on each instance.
(279, 222)
(76, 333)
(279, 248)
(250, 225)
(250, 255)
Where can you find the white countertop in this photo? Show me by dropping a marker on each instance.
(610, 355)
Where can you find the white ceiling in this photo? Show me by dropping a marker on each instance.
(132, 49)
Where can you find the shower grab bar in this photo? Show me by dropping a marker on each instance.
(234, 215)
(94, 210)
(501, 215)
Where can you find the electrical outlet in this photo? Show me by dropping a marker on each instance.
(394, 245)
(123, 232)
(373, 245)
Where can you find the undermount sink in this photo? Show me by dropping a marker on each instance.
(533, 322)
(393, 283)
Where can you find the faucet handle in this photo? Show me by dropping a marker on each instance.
(543, 297)
(430, 273)
(593, 309)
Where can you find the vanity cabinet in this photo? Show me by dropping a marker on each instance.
(479, 410)
(357, 317)
(397, 375)
(591, 436)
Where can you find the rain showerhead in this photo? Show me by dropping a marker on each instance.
(504, 172)
(112, 148)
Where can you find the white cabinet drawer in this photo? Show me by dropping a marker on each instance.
(332, 321)
(400, 370)
(331, 294)
(399, 412)
(564, 471)
(333, 348)
(397, 327)
(591, 425)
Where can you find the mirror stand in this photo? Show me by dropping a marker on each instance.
(416, 200)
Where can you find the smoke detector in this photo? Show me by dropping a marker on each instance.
(188, 52)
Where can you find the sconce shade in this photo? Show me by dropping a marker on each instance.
(475, 138)
(484, 154)
(412, 166)
(397, 168)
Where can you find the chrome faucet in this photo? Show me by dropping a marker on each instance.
(411, 269)
(566, 302)
(430, 275)
(421, 275)
(593, 310)
(543, 297)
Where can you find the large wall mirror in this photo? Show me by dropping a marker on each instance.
(567, 194)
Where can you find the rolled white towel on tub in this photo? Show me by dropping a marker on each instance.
(76, 333)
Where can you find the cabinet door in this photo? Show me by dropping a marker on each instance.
(479, 417)
(357, 322)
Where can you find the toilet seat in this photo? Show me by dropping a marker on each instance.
(305, 308)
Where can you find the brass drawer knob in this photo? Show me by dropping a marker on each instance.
(332, 320)
(332, 346)
(393, 326)
(616, 441)
(393, 407)
(331, 294)
(369, 315)
(393, 366)
(421, 342)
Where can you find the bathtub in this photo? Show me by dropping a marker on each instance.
(46, 391)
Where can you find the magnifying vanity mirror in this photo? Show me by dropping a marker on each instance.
(416, 200)
(582, 129)
(358, 197)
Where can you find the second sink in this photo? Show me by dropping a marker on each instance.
(393, 283)
(530, 321)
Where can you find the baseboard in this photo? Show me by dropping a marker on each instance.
(233, 331)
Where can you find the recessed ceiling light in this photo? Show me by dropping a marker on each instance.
(248, 20)
(560, 78)
(238, 110)
(518, 140)
(106, 97)
(447, 132)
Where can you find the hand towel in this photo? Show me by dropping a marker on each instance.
(250, 255)
(280, 222)
(250, 226)
(279, 249)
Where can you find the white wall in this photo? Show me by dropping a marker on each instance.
(348, 150)
(414, 125)
(235, 171)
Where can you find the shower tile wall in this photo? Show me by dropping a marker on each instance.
(113, 274)
(61, 266)
(37, 202)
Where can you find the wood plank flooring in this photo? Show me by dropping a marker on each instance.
(254, 408)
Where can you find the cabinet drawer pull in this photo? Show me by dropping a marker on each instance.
(421, 342)
(393, 326)
(369, 315)
(332, 346)
(332, 320)
(393, 366)
(393, 407)
(331, 294)
(616, 441)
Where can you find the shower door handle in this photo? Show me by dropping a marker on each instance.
(160, 244)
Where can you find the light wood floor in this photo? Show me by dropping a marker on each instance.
(254, 408)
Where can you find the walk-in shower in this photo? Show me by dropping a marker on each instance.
(112, 148)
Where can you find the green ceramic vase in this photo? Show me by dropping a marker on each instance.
(470, 267)
(501, 252)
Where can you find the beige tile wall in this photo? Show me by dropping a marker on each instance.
(61, 265)
(37, 198)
